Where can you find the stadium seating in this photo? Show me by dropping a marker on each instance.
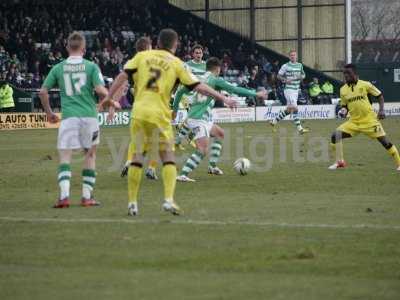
(34, 36)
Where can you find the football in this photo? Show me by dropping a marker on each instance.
(242, 166)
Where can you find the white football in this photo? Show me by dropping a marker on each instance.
(242, 166)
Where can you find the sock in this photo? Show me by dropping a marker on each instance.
(134, 178)
(64, 180)
(153, 164)
(192, 163)
(130, 153)
(395, 154)
(88, 182)
(216, 148)
(296, 121)
(282, 115)
(183, 133)
(169, 180)
(337, 151)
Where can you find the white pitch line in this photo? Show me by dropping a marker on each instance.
(200, 222)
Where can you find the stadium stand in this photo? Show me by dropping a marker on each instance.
(33, 35)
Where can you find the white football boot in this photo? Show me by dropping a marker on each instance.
(133, 209)
(171, 207)
(215, 171)
(184, 178)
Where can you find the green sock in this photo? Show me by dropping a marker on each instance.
(192, 163)
(64, 180)
(216, 148)
(296, 121)
(282, 115)
(88, 182)
(183, 133)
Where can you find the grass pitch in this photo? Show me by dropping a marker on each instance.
(293, 230)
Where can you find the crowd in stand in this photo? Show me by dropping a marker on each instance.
(33, 38)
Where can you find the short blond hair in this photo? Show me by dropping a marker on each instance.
(76, 41)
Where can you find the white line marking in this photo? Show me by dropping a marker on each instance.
(199, 222)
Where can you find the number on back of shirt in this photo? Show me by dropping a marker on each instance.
(74, 82)
(155, 74)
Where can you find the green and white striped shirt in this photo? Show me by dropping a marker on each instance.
(293, 72)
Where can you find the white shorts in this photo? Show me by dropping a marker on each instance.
(78, 133)
(291, 97)
(200, 128)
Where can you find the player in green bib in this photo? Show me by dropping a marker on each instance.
(77, 80)
(199, 120)
(291, 74)
(198, 67)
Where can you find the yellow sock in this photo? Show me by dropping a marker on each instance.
(395, 154)
(337, 150)
(134, 178)
(169, 179)
(153, 164)
(130, 152)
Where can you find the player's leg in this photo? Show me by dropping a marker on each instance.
(151, 171)
(194, 160)
(296, 120)
(167, 156)
(216, 147)
(292, 98)
(284, 112)
(139, 145)
(89, 178)
(64, 178)
(391, 149)
(89, 138)
(183, 133)
(67, 141)
(202, 135)
(337, 147)
(124, 171)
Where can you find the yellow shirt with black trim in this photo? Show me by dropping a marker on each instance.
(156, 73)
(355, 98)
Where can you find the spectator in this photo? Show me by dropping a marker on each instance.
(328, 92)
(31, 82)
(315, 91)
(6, 97)
(254, 80)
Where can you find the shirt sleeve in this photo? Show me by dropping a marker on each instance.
(178, 97)
(186, 77)
(51, 79)
(282, 71)
(97, 77)
(373, 90)
(343, 101)
(231, 89)
(132, 64)
(303, 74)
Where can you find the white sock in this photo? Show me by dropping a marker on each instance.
(86, 191)
(64, 189)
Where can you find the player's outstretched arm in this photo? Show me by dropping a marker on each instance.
(231, 89)
(381, 112)
(208, 91)
(116, 85)
(44, 99)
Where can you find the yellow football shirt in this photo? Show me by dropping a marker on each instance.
(355, 97)
(156, 73)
